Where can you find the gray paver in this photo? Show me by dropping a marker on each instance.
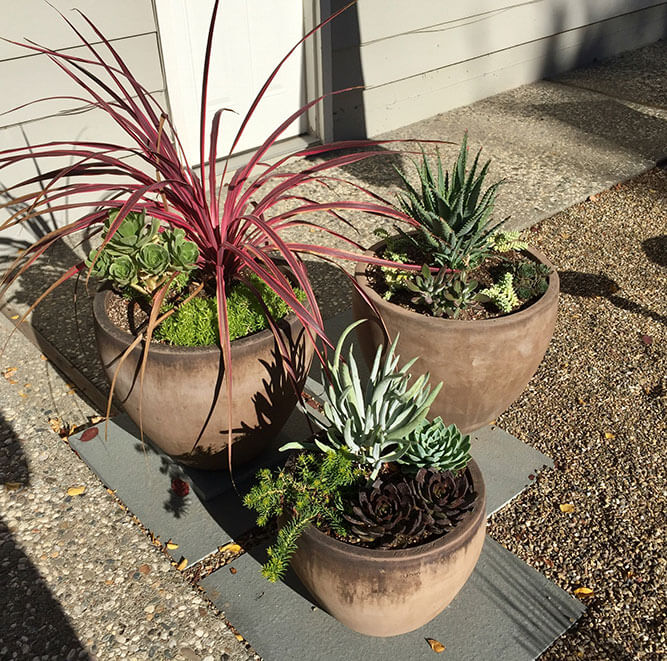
(506, 611)
(199, 524)
(142, 480)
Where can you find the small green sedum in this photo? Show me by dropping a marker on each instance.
(195, 322)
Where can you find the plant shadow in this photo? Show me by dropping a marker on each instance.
(33, 622)
(591, 285)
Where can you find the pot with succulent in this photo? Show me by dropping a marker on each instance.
(382, 514)
(482, 310)
(196, 266)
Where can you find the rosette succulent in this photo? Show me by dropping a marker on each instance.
(153, 259)
(372, 422)
(184, 254)
(436, 445)
(389, 513)
(397, 511)
(446, 496)
(443, 293)
(123, 271)
(140, 256)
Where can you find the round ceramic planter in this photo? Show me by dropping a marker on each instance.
(484, 364)
(184, 400)
(381, 592)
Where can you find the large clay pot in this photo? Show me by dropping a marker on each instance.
(484, 364)
(380, 592)
(184, 400)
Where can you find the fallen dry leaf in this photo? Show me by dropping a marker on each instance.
(609, 436)
(436, 645)
(647, 340)
(566, 507)
(76, 491)
(14, 317)
(9, 372)
(180, 487)
(231, 547)
(232, 570)
(144, 569)
(239, 637)
(583, 592)
(43, 357)
(95, 419)
(182, 564)
(12, 486)
(172, 545)
(89, 434)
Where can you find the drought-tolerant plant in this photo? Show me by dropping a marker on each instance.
(530, 279)
(452, 212)
(358, 487)
(506, 241)
(436, 445)
(238, 230)
(453, 236)
(195, 322)
(141, 256)
(404, 510)
(502, 294)
(443, 293)
(371, 423)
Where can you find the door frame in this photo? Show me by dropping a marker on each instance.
(318, 81)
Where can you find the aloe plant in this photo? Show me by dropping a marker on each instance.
(451, 211)
(373, 421)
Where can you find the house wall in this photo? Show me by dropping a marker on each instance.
(25, 75)
(419, 58)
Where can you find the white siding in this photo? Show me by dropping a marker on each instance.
(128, 24)
(419, 58)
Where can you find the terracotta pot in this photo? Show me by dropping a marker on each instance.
(484, 364)
(185, 390)
(381, 592)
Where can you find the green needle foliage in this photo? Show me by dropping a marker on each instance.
(311, 491)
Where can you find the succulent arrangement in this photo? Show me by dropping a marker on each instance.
(142, 255)
(452, 237)
(377, 473)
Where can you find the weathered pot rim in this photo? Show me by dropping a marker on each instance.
(545, 301)
(121, 336)
(453, 539)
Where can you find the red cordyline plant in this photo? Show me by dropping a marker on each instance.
(237, 235)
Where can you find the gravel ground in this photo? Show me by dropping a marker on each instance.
(79, 579)
(598, 407)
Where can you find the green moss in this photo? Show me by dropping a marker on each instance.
(195, 323)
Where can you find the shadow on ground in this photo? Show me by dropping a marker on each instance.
(591, 285)
(33, 623)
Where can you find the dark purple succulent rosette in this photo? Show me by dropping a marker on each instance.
(388, 512)
(398, 511)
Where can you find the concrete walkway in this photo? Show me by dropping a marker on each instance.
(81, 579)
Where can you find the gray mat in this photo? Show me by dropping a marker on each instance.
(212, 513)
(506, 611)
